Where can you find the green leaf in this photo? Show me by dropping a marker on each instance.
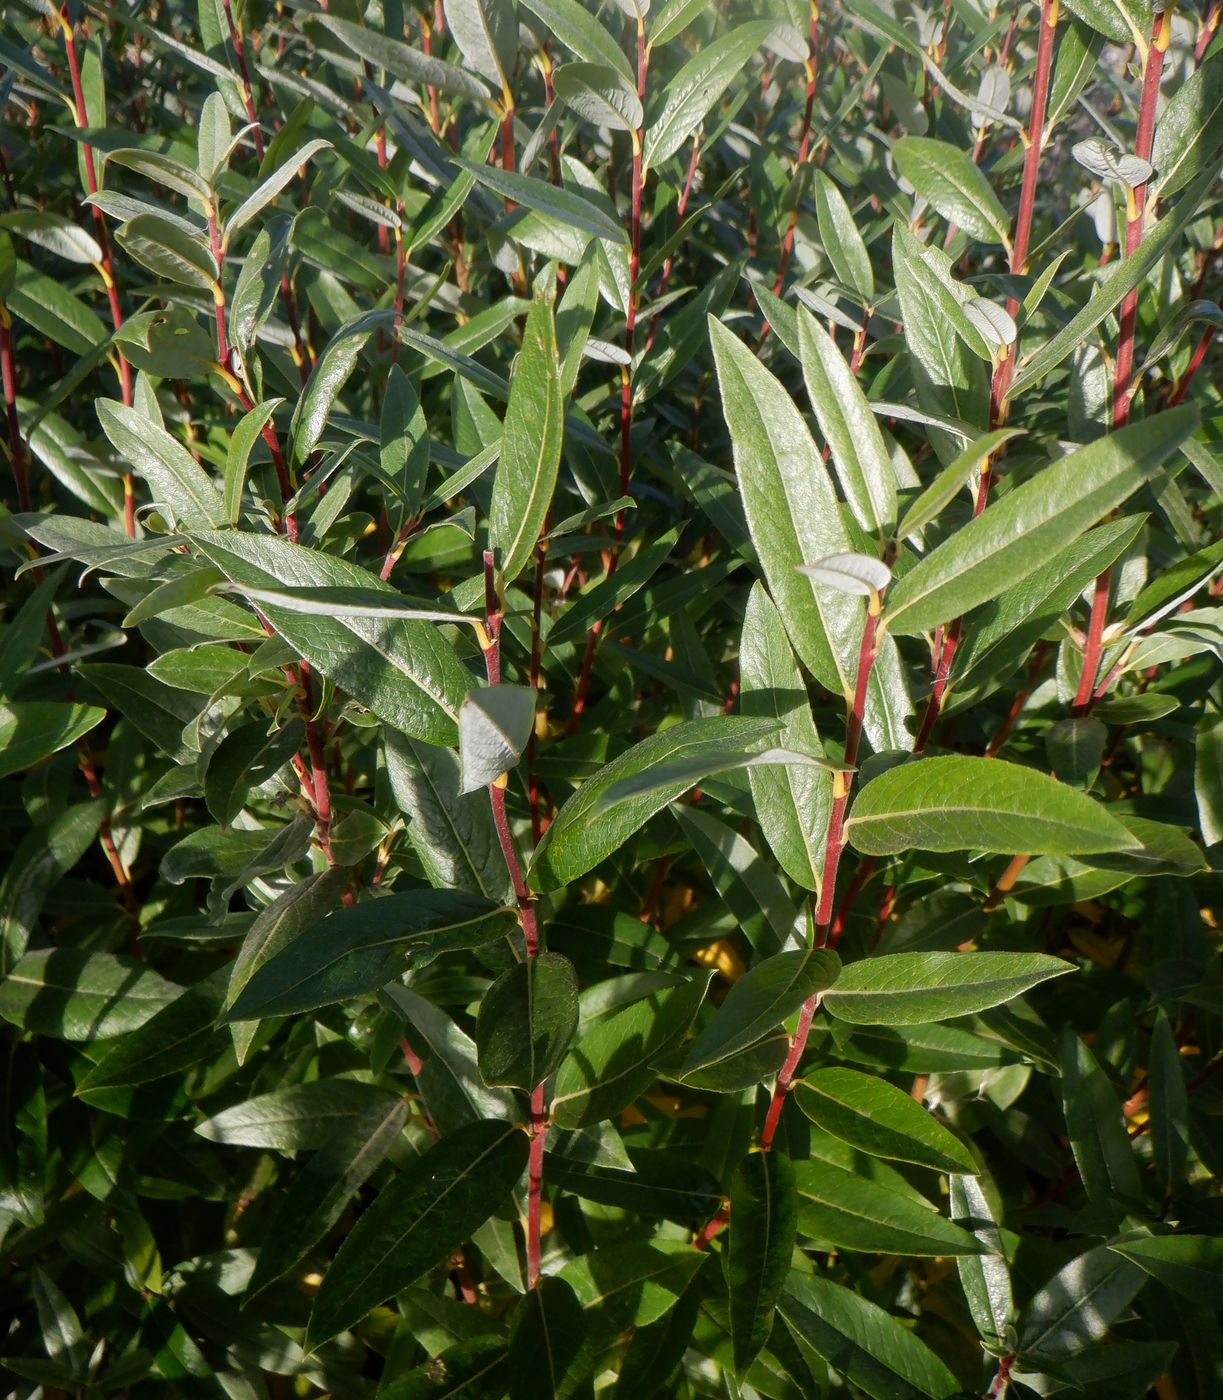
(1208, 779)
(54, 233)
(409, 65)
(1020, 533)
(176, 1037)
(530, 446)
(877, 1117)
(599, 93)
(169, 251)
(477, 1369)
(430, 1209)
(245, 758)
(404, 671)
(1095, 1126)
(791, 510)
(985, 1278)
(862, 462)
(948, 180)
(486, 32)
(403, 451)
(760, 1000)
(1168, 1104)
(609, 1065)
(576, 28)
(689, 95)
(68, 994)
(942, 490)
(1078, 1305)
(655, 1351)
(574, 843)
(175, 478)
(663, 1185)
(452, 834)
(1189, 1265)
(868, 1346)
(319, 1194)
(763, 1229)
(245, 435)
(850, 1211)
(213, 136)
(633, 1284)
(361, 948)
(1123, 21)
(1189, 132)
(527, 1019)
(905, 989)
(961, 803)
(1116, 285)
(842, 242)
(329, 375)
(945, 352)
(162, 170)
(550, 1354)
(495, 723)
(31, 730)
(566, 206)
(297, 1117)
(792, 801)
(610, 593)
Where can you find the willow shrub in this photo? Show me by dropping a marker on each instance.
(611, 740)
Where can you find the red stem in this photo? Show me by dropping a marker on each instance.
(1123, 369)
(1027, 191)
(787, 242)
(16, 447)
(248, 96)
(526, 916)
(1194, 365)
(834, 846)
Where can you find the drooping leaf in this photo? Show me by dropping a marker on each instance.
(527, 1020)
(417, 1221)
(361, 948)
(763, 1227)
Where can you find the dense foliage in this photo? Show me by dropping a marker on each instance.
(610, 740)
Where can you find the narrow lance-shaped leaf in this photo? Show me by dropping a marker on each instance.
(861, 460)
(763, 1227)
(841, 239)
(429, 1209)
(791, 509)
(792, 800)
(877, 1117)
(527, 1019)
(1018, 534)
(574, 843)
(961, 803)
(530, 445)
(697, 86)
(947, 178)
(175, 478)
(360, 949)
(906, 989)
(985, 1278)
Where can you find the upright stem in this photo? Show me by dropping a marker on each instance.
(1027, 192)
(107, 267)
(530, 927)
(248, 97)
(16, 446)
(804, 143)
(1144, 141)
(834, 846)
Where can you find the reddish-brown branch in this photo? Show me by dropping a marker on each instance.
(526, 916)
(681, 209)
(16, 445)
(1209, 25)
(804, 145)
(1123, 387)
(1027, 192)
(248, 97)
(102, 233)
(833, 848)
(1195, 363)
